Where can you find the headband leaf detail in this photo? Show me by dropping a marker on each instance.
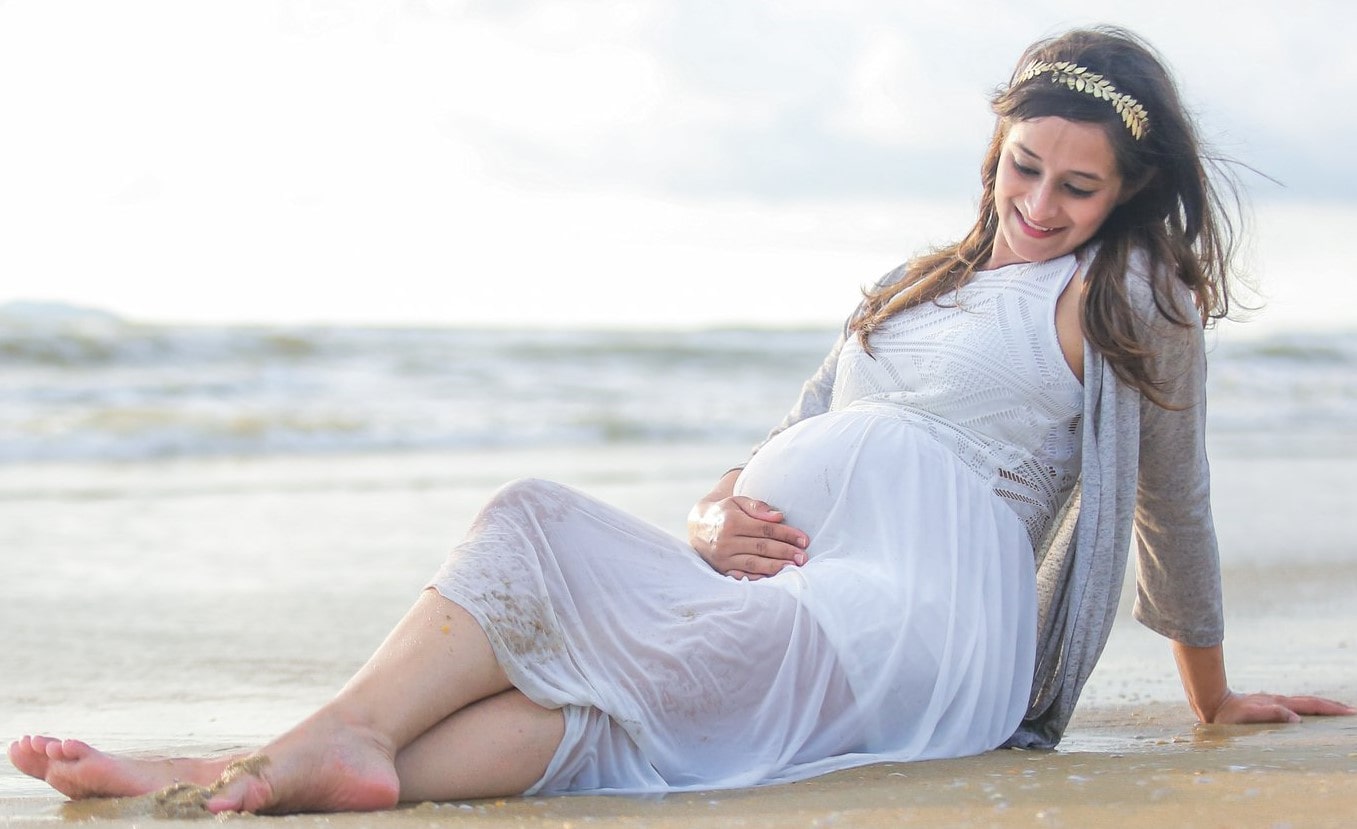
(1080, 79)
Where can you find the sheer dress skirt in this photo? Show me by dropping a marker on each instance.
(909, 634)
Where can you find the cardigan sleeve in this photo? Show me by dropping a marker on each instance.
(1178, 590)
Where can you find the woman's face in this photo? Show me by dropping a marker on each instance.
(1057, 182)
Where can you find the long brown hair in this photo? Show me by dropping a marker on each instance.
(1177, 217)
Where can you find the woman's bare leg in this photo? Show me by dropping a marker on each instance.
(436, 661)
(493, 748)
(497, 747)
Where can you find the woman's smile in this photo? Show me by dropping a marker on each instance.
(1035, 230)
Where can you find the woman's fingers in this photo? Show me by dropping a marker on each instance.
(767, 522)
(1259, 708)
(1315, 706)
(744, 537)
(758, 547)
(754, 557)
(757, 567)
(755, 508)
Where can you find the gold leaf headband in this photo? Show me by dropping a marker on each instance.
(1080, 79)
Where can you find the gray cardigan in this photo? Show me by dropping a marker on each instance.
(1144, 471)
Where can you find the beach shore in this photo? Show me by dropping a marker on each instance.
(204, 605)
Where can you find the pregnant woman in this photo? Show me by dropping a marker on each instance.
(922, 561)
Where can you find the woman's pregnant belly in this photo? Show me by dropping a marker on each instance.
(802, 470)
(854, 459)
(915, 567)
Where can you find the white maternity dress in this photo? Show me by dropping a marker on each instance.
(908, 634)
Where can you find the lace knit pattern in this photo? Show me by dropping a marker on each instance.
(984, 375)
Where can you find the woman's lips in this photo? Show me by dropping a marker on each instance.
(1034, 230)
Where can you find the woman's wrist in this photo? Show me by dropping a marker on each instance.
(1202, 671)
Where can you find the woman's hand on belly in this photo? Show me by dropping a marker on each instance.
(743, 537)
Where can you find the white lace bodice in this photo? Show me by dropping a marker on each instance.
(984, 375)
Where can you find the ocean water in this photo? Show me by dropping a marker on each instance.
(85, 386)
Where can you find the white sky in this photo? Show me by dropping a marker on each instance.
(570, 162)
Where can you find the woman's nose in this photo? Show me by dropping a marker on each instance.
(1040, 204)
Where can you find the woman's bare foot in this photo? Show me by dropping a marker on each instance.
(79, 771)
(322, 765)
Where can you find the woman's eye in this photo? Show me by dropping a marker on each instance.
(1078, 192)
(1025, 171)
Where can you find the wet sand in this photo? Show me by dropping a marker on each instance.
(1157, 776)
(206, 605)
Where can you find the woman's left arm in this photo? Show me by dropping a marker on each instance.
(1178, 584)
(1203, 674)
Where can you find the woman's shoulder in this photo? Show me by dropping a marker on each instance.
(1153, 287)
